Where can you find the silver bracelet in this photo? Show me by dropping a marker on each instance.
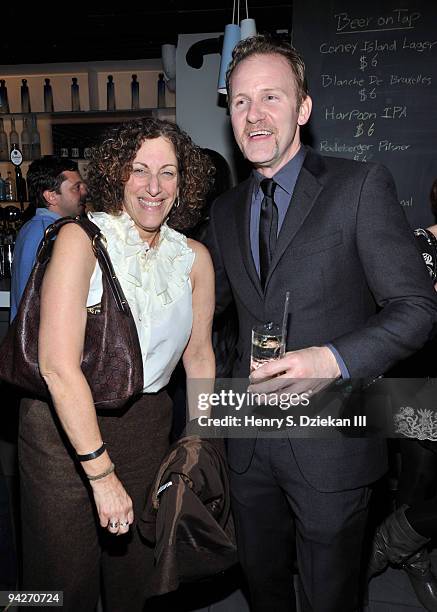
(103, 474)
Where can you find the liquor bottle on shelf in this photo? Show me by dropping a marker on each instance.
(110, 94)
(26, 146)
(21, 186)
(7, 249)
(161, 91)
(135, 93)
(4, 149)
(35, 140)
(25, 97)
(2, 189)
(48, 97)
(75, 97)
(10, 187)
(75, 153)
(14, 140)
(4, 102)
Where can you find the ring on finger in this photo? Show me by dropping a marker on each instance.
(124, 523)
(114, 524)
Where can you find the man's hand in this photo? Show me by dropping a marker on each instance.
(305, 371)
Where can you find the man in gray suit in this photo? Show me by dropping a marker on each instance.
(332, 233)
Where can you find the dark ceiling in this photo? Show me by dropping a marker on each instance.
(81, 32)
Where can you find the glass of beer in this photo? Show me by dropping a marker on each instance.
(268, 342)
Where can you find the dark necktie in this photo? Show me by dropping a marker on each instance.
(268, 228)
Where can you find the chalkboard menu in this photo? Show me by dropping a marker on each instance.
(372, 75)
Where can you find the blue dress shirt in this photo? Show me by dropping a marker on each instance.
(25, 250)
(286, 180)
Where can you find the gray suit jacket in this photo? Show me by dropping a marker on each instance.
(349, 259)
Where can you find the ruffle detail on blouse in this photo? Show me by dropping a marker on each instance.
(152, 276)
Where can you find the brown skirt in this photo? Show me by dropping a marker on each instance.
(63, 546)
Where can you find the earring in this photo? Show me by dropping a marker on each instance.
(177, 202)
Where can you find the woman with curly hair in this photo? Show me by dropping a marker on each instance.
(85, 474)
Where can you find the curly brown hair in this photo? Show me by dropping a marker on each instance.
(111, 164)
(266, 44)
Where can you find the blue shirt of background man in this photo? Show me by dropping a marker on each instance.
(26, 246)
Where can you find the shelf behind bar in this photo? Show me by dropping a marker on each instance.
(4, 203)
(94, 114)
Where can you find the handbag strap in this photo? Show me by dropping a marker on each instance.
(98, 243)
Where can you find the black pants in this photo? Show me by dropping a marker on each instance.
(271, 501)
(417, 486)
(7, 549)
(63, 546)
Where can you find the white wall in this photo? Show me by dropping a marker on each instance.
(197, 110)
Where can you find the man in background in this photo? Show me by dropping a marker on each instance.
(56, 189)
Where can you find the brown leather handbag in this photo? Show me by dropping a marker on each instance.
(112, 362)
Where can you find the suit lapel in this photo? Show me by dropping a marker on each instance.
(242, 207)
(305, 194)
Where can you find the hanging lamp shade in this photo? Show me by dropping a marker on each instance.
(247, 27)
(168, 56)
(231, 38)
(233, 34)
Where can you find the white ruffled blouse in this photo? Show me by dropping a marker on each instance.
(157, 286)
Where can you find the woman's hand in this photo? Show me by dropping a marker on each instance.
(114, 506)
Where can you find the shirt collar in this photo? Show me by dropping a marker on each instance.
(286, 176)
(45, 212)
